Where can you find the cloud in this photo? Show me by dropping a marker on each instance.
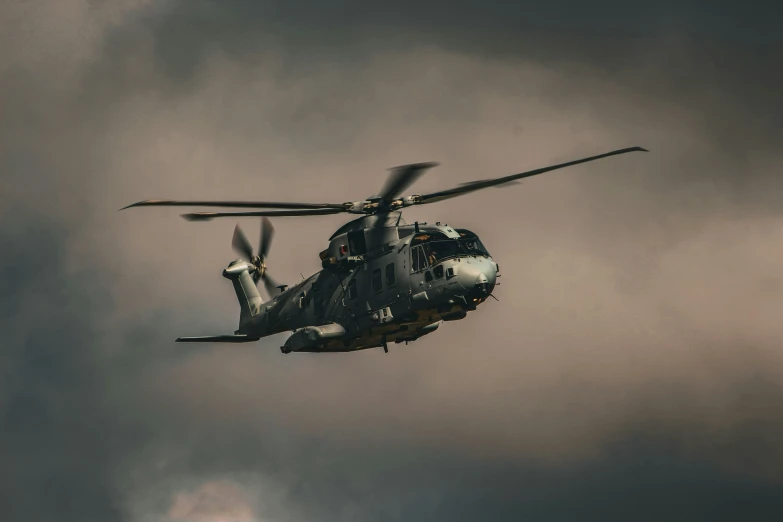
(212, 502)
(57, 441)
(633, 355)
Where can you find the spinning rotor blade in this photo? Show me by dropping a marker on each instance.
(506, 184)
(403, 177)
(270, 286)
(399, 180)
(267, 232)
(234, 204)
(478, 185)
(205, 216)
(241, 245)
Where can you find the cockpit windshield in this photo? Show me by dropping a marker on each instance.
(428, 249)
(471, 243)
(438, 250)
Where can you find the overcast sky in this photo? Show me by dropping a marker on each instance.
(632, 369)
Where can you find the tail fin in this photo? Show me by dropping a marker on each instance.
(247, 293)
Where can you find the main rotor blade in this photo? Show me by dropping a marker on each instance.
(403, 177)
(506, 184)
(267, 232)
(241, 245)
(478, 185)
(233, 204)
(206, 216)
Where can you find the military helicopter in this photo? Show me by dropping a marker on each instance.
(383, 280)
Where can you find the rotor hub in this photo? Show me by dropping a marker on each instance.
(259, 265)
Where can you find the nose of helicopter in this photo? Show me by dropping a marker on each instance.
(477, 278)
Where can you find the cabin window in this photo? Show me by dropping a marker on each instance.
(428, 276)
(438, 271)
(356, 242)
(351, 292)
(390, 280)
(377, 282)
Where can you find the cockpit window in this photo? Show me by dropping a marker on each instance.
(418, 259)
(471, 243)
(474, 246)
(434, 247)
(436, 251)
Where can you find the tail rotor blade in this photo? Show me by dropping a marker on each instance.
(241, 245)
(270, 286)
(267, 233)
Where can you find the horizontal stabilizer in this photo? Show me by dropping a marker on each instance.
(217, 339)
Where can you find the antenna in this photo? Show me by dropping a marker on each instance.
(416, 224)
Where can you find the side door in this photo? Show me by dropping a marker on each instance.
(382, 289)
(386, 293)
(418, 274)
(396, 282)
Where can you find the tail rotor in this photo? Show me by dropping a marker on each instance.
(242, 247)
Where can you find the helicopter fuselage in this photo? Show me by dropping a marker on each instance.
(394, 285)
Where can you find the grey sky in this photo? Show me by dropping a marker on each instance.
(631, 369)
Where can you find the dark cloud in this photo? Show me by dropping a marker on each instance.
(682, 50)
(56, 437)
(631, 369)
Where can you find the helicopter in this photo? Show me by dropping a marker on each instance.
(382, 280)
